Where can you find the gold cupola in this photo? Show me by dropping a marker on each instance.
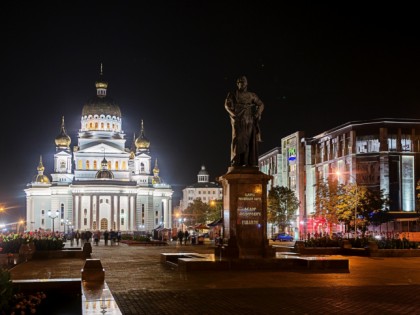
(62, 140)
(41, 178)
(142, 143)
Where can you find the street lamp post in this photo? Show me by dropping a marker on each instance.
(53, 217)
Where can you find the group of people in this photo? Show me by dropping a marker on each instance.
(114, 237)
(79, 237)
(183, 237)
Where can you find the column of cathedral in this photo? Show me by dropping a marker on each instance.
(118, 214)
(98, 226)
(113, 210)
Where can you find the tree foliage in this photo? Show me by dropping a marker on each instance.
(352, 204)
(328, 202)
(282, 204)
(197, 212)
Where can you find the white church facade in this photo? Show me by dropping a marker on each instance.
(99, 184)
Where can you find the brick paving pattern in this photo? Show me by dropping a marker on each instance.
(142, 285)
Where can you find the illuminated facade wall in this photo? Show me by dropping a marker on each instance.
(286, 165)
(379, 154)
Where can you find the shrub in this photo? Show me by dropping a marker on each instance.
(6, 289)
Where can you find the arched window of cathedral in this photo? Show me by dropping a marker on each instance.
(104, 224)
(116, 165)
(91, 125)
(63, 165)
(122, 211)
(122, 221)
(113, 126)
(124, 165)
(87, 164)
(95, 165)
(62, 211)
(79, 164)
(109, 165)
(96, 125)
(42, 212)
(85, 212)
(141, 167)
(85, 221)
(102, 125)
(107, 126)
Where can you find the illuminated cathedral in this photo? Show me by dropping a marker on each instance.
(99, 184)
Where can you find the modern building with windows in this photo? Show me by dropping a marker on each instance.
(100, 184)
(381, 154)
(285, 164)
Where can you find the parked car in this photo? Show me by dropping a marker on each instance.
(282, 237)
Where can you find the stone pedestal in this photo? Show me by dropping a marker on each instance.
(245, 213)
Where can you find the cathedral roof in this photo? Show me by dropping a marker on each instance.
(101, 104)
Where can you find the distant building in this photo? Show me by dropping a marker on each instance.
(203, 190)
(100, 184)
(381, 154)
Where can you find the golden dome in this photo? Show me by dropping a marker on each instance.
(62, 140)
(142, 143)
(41, 178)
(101, 104)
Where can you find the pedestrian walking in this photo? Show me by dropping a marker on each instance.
(106, 237)
(77, 237)
(180, 236)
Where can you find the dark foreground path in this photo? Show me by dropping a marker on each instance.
(142, 285)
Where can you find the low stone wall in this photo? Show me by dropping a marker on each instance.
(369, 251)
(139, 243)
(53, 254)
(395, 253)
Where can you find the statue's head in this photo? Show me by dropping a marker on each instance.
(242, 83)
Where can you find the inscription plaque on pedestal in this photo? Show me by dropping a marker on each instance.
(245, 212)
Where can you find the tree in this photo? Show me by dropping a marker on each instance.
(348, 203)
(327, 202)
(368, 205)
(282, 204)
(216, 208)
(197, 212)
(373, 208)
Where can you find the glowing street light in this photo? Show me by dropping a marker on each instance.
(53, 217)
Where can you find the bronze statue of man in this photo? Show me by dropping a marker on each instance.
(245, 110)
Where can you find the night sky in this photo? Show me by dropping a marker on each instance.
(172, 63)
